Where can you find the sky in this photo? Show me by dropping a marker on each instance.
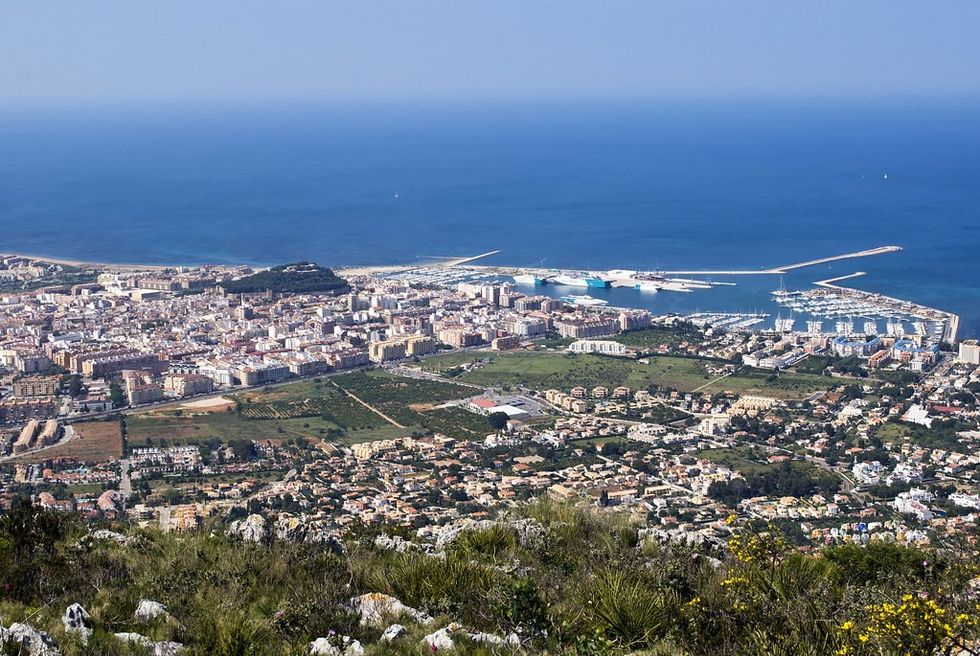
(59, 52)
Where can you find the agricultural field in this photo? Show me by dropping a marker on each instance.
(320, 409)
(415, 402)
(94, 441)
(543, 370)
(170, 427)
(309, 399)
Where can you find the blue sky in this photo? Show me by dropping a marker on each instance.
(67, 51)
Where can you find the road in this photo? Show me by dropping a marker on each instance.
(125, 483)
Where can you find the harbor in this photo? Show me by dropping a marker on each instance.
(816, 307)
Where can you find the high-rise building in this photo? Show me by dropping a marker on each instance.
(969, 351)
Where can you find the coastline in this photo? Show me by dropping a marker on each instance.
(97, 265)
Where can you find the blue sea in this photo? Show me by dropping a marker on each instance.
(606, 185)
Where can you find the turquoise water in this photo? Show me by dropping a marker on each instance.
(603, 186)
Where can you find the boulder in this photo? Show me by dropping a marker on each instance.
(494, 640)
(327, 647)
(290, 528)
(163, 648)
(376, 608)
(322, 647)
(394, 543)
(31, 641)
(441, 639)
(77, 622)
(393, 632)
(529, 532)
(111, 536)
(149, 610)
(250, 529)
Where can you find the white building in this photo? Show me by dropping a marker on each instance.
(600, 346)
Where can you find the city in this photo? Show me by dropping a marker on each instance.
(173, 397)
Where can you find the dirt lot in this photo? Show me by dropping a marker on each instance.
(95, 441)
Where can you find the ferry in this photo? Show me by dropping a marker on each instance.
(583, 300)
(528, 279)
(587, 280)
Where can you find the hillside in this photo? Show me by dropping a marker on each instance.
(551, 579)
(296, 278)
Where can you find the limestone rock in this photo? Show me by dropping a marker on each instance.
(393, 632)
(326, 647)
(290, 528)
(163, 648)
(111, 536)
(250, 529)
(77, 621)
(441, 639)
(494, 640)
(322, 647)
(528, 531)
(31, 641)
(376, 608)
(394, 543)
(149, 610)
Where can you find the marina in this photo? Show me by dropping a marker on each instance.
(849, 311)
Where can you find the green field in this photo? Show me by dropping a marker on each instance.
(543, 370)
(411, 401)
(320, 409)
(165, 427)
(654, 337)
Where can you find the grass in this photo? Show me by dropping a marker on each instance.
(95, 441)
(544, 370)
(941, 435)
(582, 582)
(749, 460)
(654, 337)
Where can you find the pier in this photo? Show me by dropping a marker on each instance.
(880, 250)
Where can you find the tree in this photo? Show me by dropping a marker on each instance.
(115, 395)
(498, 420)
(29, 549)
(75, 387)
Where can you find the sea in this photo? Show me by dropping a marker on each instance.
(591, 185)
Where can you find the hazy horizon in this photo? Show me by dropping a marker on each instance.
(104, 53)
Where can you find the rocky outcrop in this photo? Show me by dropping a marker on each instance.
(376, 609)
(149, 610)
(445, 638)
(441, 639)
(250, 529)
(163, 648)
(393, 632)
(394, 543)
(111, 536)
(30, 641)
(527, 531)
(77, 622)
(343, 646)
(494, 640)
